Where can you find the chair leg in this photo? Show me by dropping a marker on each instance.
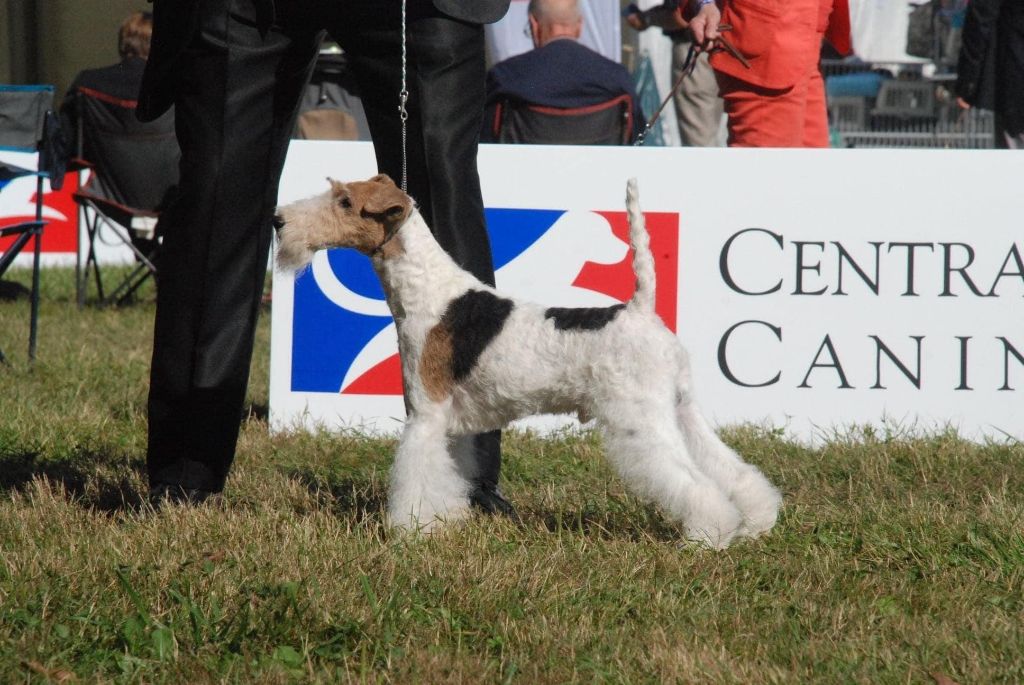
(143, 275)
(131, 283)
(120, 295)
(25, 233)
(33, 324)
(92, 231)
(95, 271)
(136, 278)
(81, 272)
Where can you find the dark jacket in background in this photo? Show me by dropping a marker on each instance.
(990, 74)
(564, 73)
(120, 81)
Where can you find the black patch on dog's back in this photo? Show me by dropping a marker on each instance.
(474, 318)
(582, 318)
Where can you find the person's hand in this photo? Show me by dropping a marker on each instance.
(704, 24)
(636, 20)
(962, 104)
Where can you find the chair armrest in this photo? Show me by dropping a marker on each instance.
(18, 229)
(140, 222)
(78, 164)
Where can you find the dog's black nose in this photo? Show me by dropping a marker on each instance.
(277, 222)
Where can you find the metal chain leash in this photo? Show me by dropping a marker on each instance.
(403, 113)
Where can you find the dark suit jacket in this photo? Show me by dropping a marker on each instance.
(119, 80)
(563, 73)
(991, 69)
(174, 22)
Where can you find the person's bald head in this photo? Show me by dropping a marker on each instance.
(552, 19)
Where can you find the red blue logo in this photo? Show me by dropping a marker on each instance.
(344, 340)
(18, 205)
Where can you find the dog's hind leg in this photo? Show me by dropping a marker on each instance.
(427, 488)
(652, 457)
(756, 498)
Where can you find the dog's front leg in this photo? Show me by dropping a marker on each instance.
(426, 486)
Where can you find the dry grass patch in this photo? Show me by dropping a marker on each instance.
(897, 557)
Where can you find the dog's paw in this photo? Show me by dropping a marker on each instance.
(411, 525)
(712, 537)
(715, 526)
(760, 520)
(427, 517)
(758, 500)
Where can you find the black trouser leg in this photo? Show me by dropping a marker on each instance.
(234, 112)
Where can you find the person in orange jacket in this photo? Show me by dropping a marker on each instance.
(779, 101)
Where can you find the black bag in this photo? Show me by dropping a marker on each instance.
(921, 30)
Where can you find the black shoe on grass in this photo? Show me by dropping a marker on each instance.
(170, 493)
(489, 499)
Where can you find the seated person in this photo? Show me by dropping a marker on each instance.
(559, 72)
(120, 80)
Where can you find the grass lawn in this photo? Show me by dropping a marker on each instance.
(896, 560)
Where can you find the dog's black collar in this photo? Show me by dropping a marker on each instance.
(388, 236)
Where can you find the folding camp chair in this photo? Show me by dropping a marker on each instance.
(133, 172)
(606, 123)
(29, 124)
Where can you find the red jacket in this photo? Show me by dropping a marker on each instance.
(781, 38)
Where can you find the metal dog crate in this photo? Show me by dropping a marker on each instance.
(907, 111)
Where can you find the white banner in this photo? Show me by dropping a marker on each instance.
(815, 289)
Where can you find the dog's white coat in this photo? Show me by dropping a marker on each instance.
(632, 376)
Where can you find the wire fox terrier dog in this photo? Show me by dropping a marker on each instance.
(474, 359)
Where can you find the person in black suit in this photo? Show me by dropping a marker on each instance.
(120, 80)
(235, 71)
(990, 73)
(560, 71)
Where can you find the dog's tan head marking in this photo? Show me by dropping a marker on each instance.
(363, 215)
(371, 212)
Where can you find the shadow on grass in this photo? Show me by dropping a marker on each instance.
(92, 481)
(364, 500)
(608, 524)
(12, 290)
(350, 497)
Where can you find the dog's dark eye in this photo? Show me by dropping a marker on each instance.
(346, 203)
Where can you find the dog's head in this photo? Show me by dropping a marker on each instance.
(364, 215)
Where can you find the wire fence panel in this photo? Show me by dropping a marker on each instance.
(900, 105)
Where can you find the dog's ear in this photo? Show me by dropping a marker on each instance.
(388, 201)
(336, 186)
(383, 178)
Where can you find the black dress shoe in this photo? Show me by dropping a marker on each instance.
(489, 499)
(169, 493)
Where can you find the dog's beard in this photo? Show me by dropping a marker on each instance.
(293, 253)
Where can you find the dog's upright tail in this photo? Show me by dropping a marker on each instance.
(643, 260)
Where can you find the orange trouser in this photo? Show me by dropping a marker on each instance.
(764, 117)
